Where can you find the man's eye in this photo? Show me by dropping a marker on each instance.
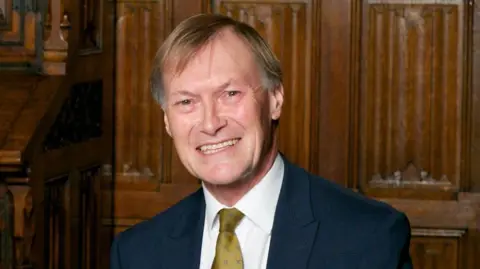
(184, 102)
(233, 93)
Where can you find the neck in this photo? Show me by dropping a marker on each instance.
(230, 194)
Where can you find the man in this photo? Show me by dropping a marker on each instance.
(220, 87)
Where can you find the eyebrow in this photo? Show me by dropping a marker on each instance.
(224, 86)
(183, 92)
(188, 93)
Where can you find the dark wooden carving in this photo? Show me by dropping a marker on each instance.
(56, 195)
(25, 243)
(6, 227)
(91, 34)
(409, 176)
(80, 118)
(72, 219)
(411, 91)
(5, 14)
(55, 37)
(18, 34)
(430, 252)
(88, 207)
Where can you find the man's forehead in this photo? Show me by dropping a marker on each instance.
(225, 53)
(226, 46)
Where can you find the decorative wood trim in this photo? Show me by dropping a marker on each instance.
(143, 149)
(383, 119)
(80, 118)
(91, 36)
(462, 214)
(57, 26)
(437, 232)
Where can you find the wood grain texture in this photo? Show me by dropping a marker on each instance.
(143, 148)
(412, 95)
(18, 36)
(438, 253)
(474, 150)
(24, 101)
(48, 208)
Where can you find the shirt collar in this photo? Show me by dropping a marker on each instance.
(258, 204)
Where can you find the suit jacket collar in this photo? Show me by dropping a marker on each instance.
(293, 232)
(184, 244)
(295, 226)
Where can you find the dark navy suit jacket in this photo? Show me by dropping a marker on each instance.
(318, 225)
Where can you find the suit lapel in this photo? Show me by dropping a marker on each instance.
(294, 229)
(183, 247)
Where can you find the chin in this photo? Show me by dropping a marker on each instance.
(221, 181)
(220, 178)
(225, 175)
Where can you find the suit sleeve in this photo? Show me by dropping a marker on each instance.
(115, 262)
(389, 247)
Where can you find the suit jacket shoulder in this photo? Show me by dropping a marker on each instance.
(340, 202)
(352, 214)
(320, 224)
(144, 240)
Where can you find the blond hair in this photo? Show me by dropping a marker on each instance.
(194, 33)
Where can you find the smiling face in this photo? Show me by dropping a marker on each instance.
(219, 115)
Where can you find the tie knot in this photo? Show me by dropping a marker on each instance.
(229, 219)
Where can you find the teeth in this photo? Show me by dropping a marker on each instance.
(208, 149)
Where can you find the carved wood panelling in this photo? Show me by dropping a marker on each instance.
(13, 98)
(16, 223)
(34, 35)
(25, 225)
(80, 118)
(287, 26)
(434, 253)
(144, 150)
(91, 26)
(55, 45)
(57, 195)
(475, 99)
(18, 26)
(5, 14)
(7, 251)
(72, 223)
(85, 217)
(412, 94)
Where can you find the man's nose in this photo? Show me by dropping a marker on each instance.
(212, 123)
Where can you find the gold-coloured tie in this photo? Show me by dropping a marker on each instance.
(228, 254)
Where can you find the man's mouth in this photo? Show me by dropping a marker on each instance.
(213, 148)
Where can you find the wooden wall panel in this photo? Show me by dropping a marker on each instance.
(18, 26)
(412, 97)
(91, 34)
(72, 225)
(475, 100)
(435, 253)
(141, 27)
(333, 96)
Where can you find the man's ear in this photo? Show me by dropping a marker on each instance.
(276, 102)
(167, 125)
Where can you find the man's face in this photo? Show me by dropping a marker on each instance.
(218, 114)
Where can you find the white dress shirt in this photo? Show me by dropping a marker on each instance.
(254, 230)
